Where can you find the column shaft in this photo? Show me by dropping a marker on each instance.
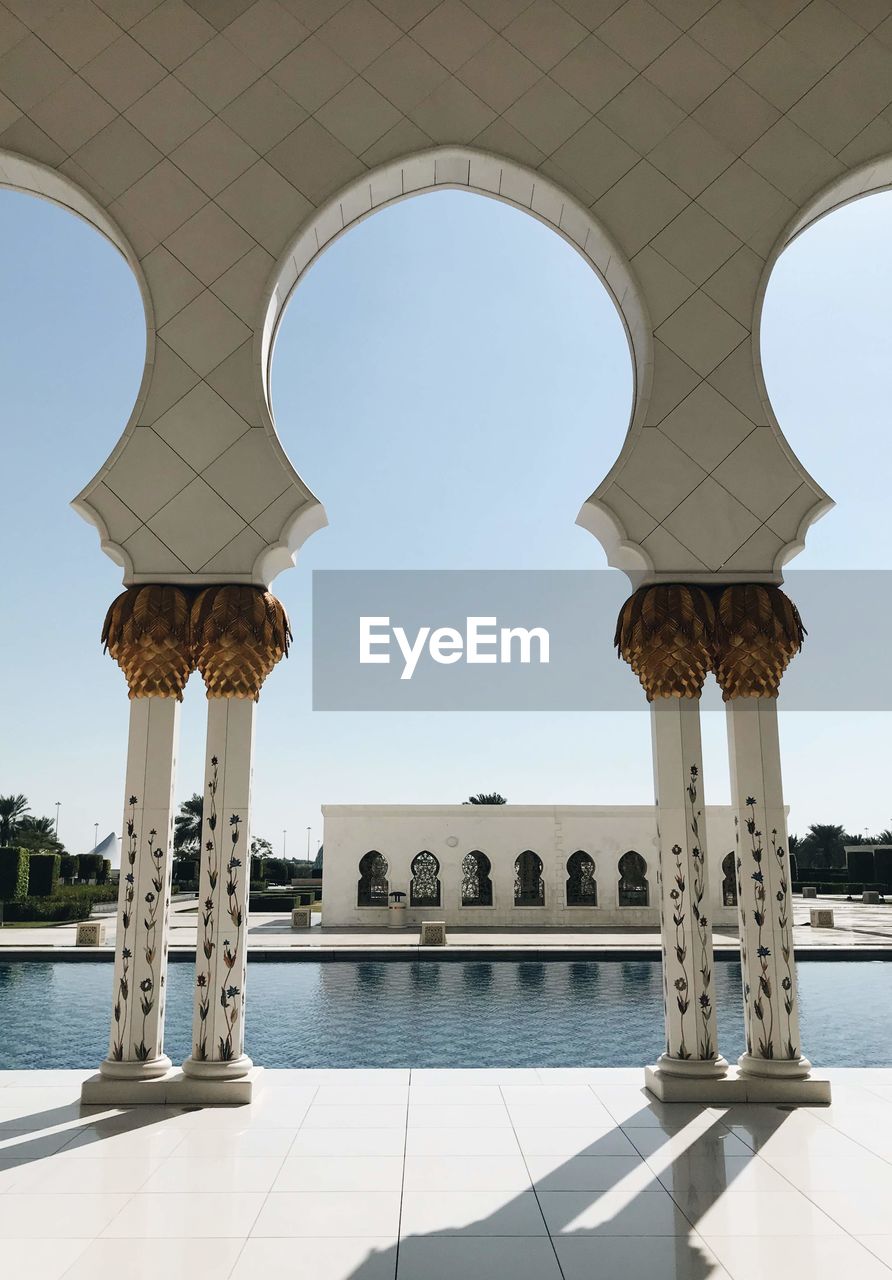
(764, 895)
(218, 1034)
(691, 1040)
(136, 1047)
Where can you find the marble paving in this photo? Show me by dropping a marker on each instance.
(432, 1174)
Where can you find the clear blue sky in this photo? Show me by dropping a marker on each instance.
(452, 381)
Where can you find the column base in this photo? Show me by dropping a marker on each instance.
(153, 1069)
(774, 1068)
(736, 1087)
(693, 1068)
(172, 1090)
(212, 1070)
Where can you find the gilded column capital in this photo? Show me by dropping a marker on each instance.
(146, 631)
(758, 631)
(665, 634)
(239, 633)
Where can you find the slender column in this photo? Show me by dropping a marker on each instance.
(146, 632)
(758, 631)
(239, 634)
(664, 633)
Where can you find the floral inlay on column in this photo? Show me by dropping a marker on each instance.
(122, 998)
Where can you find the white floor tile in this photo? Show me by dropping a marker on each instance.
(718, 1173)
(466, 1173)
(93, 1143)
(348, 1142)
(340, 1173)
(457, 1117)
(32, 1146)
(551, 1116)
(572, 1140)
(643, 1258)
(469, 1095)
(461, 1142)
(612, 1213)
(591, 1173)
(215, 1173)
(793, 1257)
(756, 1213)
(471, 1213)
(383, 1117)
(824, 1173)
(72, 1216)
(329, 1213)
(385, 1095)
(475, 1075)
(170, 1259)
(63, 1177)
(881, 1246)
(38, 1259)
(478, 1258)
(250, 1144)
(862, 1212)
(188, 1215)
(655, 1144)
(372, 1258)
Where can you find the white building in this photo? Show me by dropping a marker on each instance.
(526, 866)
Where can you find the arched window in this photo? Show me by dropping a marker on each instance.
(476, 885)
(582, 888)
(424, 891)
(633, 887)
(729, 881)
(372, 888)
(529, 887)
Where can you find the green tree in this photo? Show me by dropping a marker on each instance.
(12, 810)
(260, 848)
(822, 846)
(187, 825)
(38, 835)
(486, 797)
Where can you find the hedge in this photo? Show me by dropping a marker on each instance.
(43, 874)
(13, 874)
(69, 868)
(94, 867)
(67, 904)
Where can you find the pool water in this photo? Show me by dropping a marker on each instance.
(440, 1013)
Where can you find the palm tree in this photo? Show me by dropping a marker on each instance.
(885, 837)
(486, 797)
(38, 835)
(187, 825)
(822, 846)
(12, 810)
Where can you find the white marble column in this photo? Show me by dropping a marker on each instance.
(218, 1025)
(764, 892)
(688, 968)
(136, 1044)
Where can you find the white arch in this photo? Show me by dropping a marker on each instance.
(465, 169)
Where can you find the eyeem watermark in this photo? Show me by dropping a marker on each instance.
(482, 641)
(537, 640)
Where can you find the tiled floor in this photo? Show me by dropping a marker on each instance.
(433, 1175)
(857, 927)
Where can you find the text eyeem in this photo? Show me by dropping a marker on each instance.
(482, 641)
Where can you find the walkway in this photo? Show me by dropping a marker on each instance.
(429, 1175)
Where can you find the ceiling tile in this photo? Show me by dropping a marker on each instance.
(201, 426)
(706, 426)
(161, 201)
(266, 32)
(312, 74)
(672, 381)
(757, 554)
(243, 286)
(398, 141)
(406, 74)
(147, 473)
(696, 243)
(263, 115)
(665, 288)
(248, 475)
(120, 522)
(359, 33)
(691, 157)
(172, 33)
(736, 115)
(593, 73)
(657, 474)
(641, 115)
(239, 555)
(123, 72)
(639, 206)
(735, 285)
(73, 114)
(848, 98)
(452, 113)
(545, 33)
(204, 333)
(168, 114)
(638, 32)
(170, 284)
(77, 31)
(780, 72)
(406, 13)
(498, 13)
(711, 523)
(358, 115)
(313, 161)
(667, 552)
(701, 333)
(25, 138)
(823, 34)
(217, 73)
(788, 517)
(731, 33)
(209, 243)
(759, 473)
(499, 74)
(118, 156)
(452, 33)
(148, 554)
(30, 71)
(196, 524)
(547, 115)
(171, 379)
(214, 157)
(596, 157)
(744, 202)
(792, 161)
(686, 73)
(266, 205)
